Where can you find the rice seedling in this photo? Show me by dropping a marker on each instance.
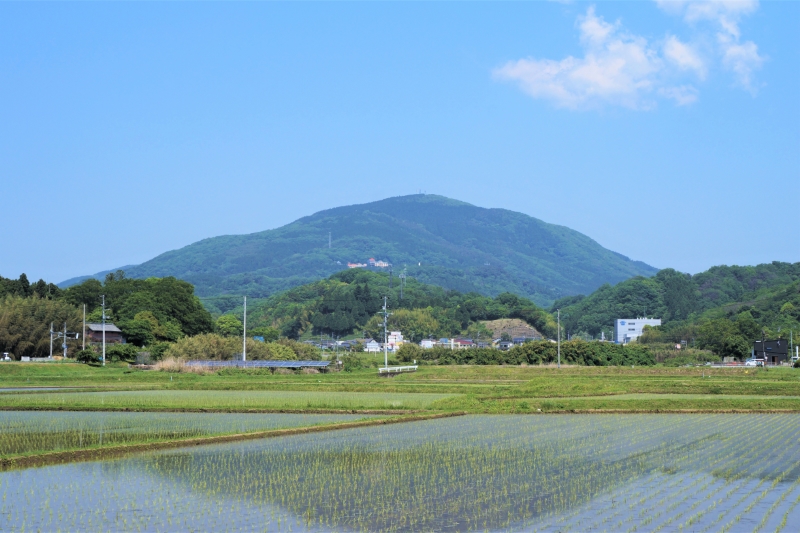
(25, 433)
(473, 473)
(217, 400)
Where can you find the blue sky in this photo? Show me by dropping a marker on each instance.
(666, 131)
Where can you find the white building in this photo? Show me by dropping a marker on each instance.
(628, 329)
(427, 343)
(394, 341)
(372, 347)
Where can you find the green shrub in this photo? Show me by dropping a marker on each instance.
(576, 352)
(87, 356)
(157, 350)
(121, 352)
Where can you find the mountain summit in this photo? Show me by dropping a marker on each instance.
(435, 239)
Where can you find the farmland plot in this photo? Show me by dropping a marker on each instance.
(474, 473)
(219, 400)
(27, 432)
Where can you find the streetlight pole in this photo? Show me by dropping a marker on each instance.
(559, 337)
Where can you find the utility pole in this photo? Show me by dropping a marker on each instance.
(104, 329)
(64, 341)
(559, 338)
(244, 332)
(385, 334)
(84, 328)
(63, 337)
(402, 277)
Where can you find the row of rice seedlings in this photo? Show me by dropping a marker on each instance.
(756, 500)
(230, 400)
(786, 515)
(565, 521)
(629, 510)
(647, 514)
(472, 473)
(640, 498)
(777, 503)
(35, 432)
(786, 455)
(732, 456)
(771, 443)
(600, 519)
(747, 479)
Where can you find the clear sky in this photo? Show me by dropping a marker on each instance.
(666, 131)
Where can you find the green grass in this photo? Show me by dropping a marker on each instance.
(471, 388)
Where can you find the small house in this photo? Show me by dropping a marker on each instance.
(94, 333)
(772, 352)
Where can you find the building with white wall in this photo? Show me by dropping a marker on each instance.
(628, 329)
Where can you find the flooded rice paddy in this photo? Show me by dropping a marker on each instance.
(552, 473)
(220, 400)
(44, 431)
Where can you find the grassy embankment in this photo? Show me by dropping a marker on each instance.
(478, 389)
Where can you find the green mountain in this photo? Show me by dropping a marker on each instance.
(437, 240)
(721, 291)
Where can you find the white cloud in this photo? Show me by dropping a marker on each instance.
(741, 58)
(684, 56)
(683, 95)
(617, 68)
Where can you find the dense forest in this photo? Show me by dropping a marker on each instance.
(348, 303)
(723, 309)
(147, 311)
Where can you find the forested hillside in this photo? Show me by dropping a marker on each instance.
(348, 302)
(147, 311)
(438, 240)
(723, 309)
(674, 296)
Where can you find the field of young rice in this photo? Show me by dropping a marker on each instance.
(475, 473)
(219, 400)
(25, 432)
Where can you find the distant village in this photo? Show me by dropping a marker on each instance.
(371, 263)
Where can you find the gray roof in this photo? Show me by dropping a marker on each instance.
(110, 328)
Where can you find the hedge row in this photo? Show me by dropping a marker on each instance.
(534, 353)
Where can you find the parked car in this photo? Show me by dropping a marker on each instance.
(754, 362)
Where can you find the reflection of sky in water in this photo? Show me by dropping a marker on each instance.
(22, 431)
(517, 473)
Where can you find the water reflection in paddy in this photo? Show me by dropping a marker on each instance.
(509, 473)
